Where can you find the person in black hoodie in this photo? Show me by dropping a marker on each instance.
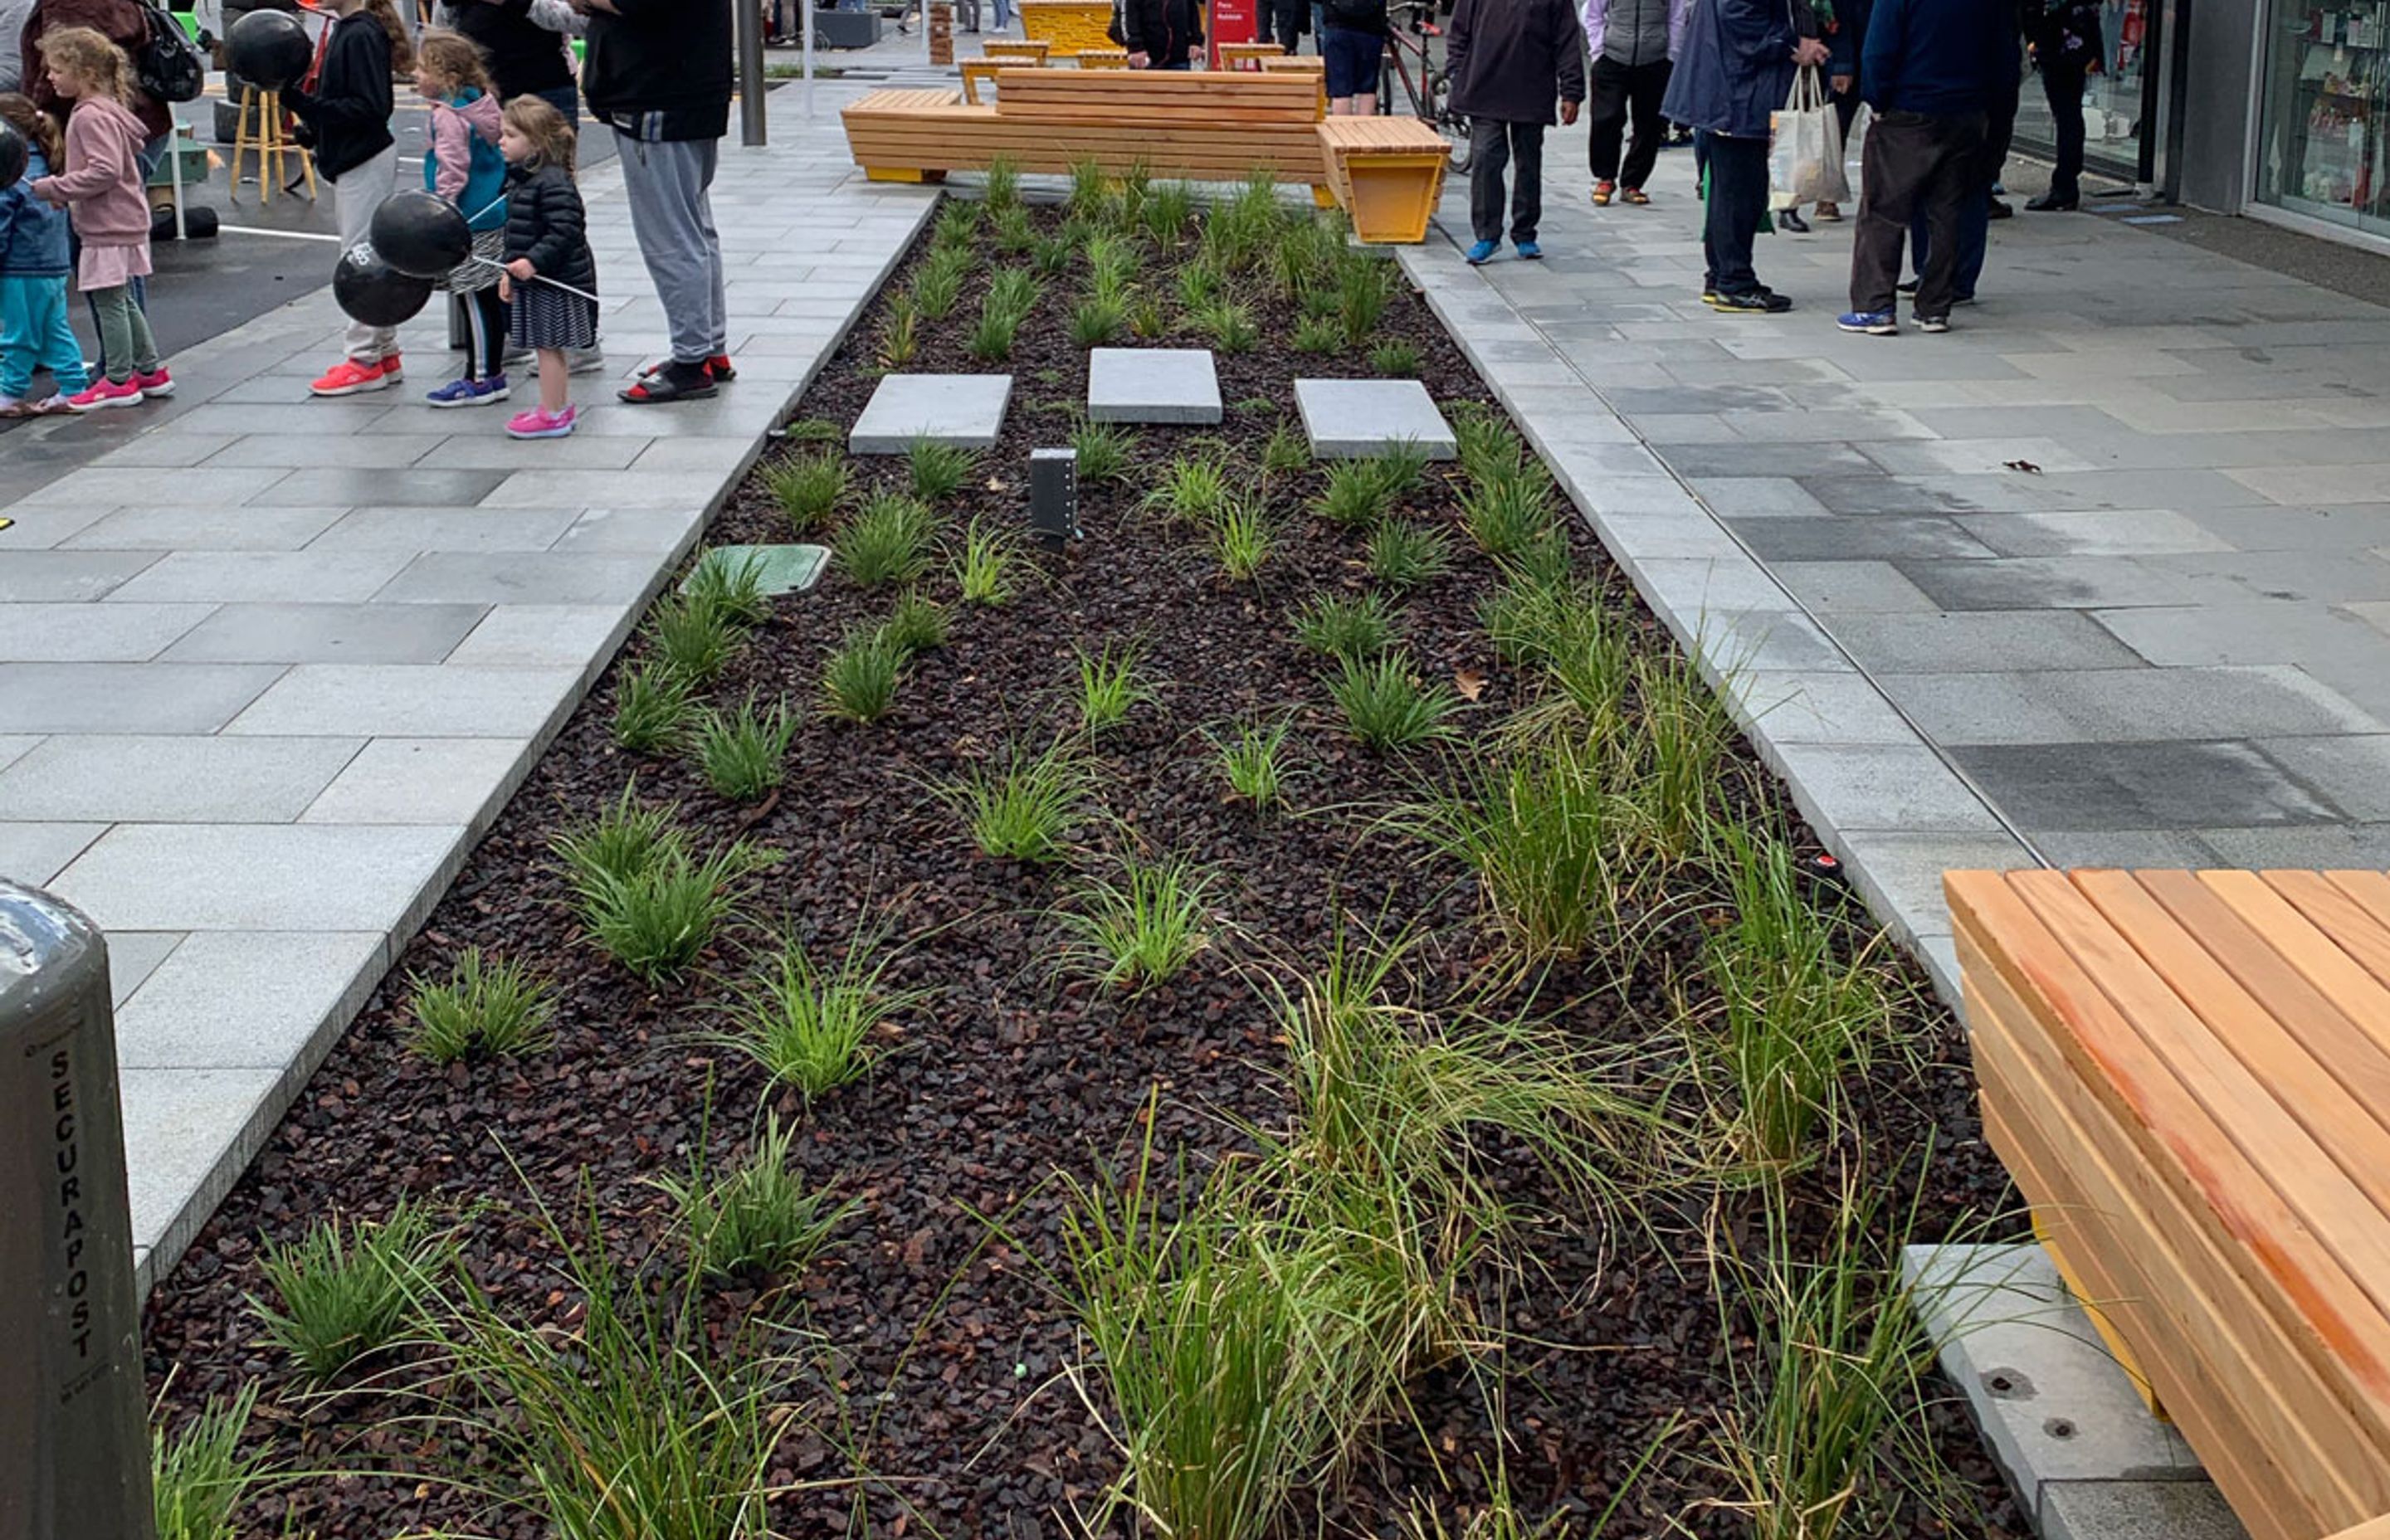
(1510, 60)
(524, 58)
(658, 74)
(1162, 34)
(347, 116)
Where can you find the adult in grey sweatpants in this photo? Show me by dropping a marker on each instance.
(658, 74)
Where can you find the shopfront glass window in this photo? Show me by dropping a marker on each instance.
(2112, 95)
(2320, 149)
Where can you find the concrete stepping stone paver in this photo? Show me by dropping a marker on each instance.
(965, 410)
(1166, 385)
(1349, 419)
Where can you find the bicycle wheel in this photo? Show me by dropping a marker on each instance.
(1454, 126)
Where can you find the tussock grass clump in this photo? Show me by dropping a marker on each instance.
(1508, 516)
(1103, 449)
(691, 637)
(1316, 335)
(1354, 494)
(1090, 190)
(1243, 536)
(644, 898)
(199, 1475)
(917, 624)
(742, 753)
(1023, 807)
(1687, 739)
(985, 570)
(1396, 360)
(808, 489)
(957, 223)
(1200, 286)
(938, 470)
(1489, 449)
(1362, 292)
(900, 332)
(1145, 321)
(1285, 452)
(939, 286)
(1549, 838)
(1015, 236)
(732, 585)
(1252, 760)
(1110, 687)
(1193, 489)
(1229, 324)
(1405, 556)
(1097, 319)
(1168, 207)
(1143, 927)
(759, 1221)
(652, 708)
(1799, 1019)
(348, 1289)
(486, 1008)
(859, 680)
(1002, 189)
(1386, 706)
(1340, 626)
(1050, 257)
(886, 541)
(812, 1024)
(625, 839)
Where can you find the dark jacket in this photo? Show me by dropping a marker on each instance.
(123, 22)
(348, 111)
(32, 234)
(1163, 30)
(545, 223)
(1934, 57)
(1846, 39)
(1736, 68)
(2065, 33)
(660, 71)
(1512, 59)
(523, 55)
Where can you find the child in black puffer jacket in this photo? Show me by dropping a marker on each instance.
(547, 240)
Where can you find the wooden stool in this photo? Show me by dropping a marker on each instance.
(264, 110)
(1103, 59)
(974, 71)
(1247, 56)
(1014, 50)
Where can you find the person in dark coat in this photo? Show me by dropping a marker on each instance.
(2066, 49)
(1981, 205)
(123, 22)
(1734, 73)
(525, 59)
(1509, 60)
(1162, 34)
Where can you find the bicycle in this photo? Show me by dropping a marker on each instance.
(1410, 60)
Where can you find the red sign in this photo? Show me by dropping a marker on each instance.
(1232, 21)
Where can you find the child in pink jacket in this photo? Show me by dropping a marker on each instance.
(466, 167)
(102, 184)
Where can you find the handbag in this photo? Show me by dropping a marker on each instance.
(1805, 152)
(167, 65)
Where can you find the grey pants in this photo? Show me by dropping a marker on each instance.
(672, 213)
(355, 196)
(125, 339)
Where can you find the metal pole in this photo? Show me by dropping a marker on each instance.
(74, 1446)
(805, 9)
(749, 19)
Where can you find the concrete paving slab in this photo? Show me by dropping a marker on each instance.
(541, 635)
(66, 577)
(1166, 385)
(545, 577)
(16, 746)
(1360, 419)
(181, 528)
(33, 853)
(188, 1135)
(354, 486)
(327, 633)
(1978, 642)
(965, 410)
(424, 781)
(133, 955)
(260, 877)
(247, 999)
(1860, 786)
(449, 530)
(651, 532)
(398, 699)
(2122, 705)
(180, 778)
(2169, 785)
(128, 697)
(93, 633)
(226, 577)
(1862, 587)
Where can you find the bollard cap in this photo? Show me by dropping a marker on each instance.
(47, 946)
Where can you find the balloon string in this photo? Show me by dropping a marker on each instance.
(536, 278)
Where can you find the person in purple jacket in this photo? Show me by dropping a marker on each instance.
(1633, 44)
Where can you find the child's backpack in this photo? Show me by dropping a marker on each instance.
(167, 64)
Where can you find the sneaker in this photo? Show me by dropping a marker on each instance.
(1828, 212)
(584, 361)
(1530, 251)
(156, 385)
(105, 393)
(470, 392)
(392, 368)
(1870, 323)
(1933, 322)
(349, 377)
(1759, 302)
(721, 368)
(538, 423)
(1636, 196)
(1482, 253)
(1602, 192)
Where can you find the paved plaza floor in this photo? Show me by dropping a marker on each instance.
(2097, 578)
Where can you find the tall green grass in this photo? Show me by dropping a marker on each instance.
(760, 1220)
(813, 1024)
(200, 1478)
(1144, 926)
(348, 1289)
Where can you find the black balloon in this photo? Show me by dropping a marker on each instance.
(12, 156)
(373, 293)
(269, 49)
(421, 233)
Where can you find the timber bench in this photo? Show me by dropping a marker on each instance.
(1201, 127)
(2188, 1073)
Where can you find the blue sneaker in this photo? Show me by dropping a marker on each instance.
(470, 392)
(1482, 253)
(1873, 323)
(1530, 251)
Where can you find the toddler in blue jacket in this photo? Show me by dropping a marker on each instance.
(34, 332)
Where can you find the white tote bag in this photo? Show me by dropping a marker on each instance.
(1805, 156)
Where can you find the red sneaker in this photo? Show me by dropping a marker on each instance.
(349, 378)
(104, 394)
(721, 368)
(391, 368)
(157, 384)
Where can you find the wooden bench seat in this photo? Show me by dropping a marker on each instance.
(2188, 1075)
(1202, 127)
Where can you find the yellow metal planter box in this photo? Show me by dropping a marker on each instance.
(1068, 25)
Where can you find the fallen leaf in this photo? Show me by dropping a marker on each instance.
(2027, 466)
(1471, 683)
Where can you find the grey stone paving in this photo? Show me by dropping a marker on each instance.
(2101, 577)
(1362, 418)
(964, 410)
(269, 666)
(1172, 385)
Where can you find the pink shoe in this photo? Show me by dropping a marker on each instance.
(103, 394)
(539, 424)
(157, 384)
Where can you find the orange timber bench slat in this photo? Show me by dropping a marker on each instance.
(2188, 1075)
(1205, 126)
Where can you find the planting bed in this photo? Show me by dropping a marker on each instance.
(942, 1383)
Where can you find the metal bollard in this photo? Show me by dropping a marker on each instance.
(74, 1442)
(1054, 496)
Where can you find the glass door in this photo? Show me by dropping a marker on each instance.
(2321, 144)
